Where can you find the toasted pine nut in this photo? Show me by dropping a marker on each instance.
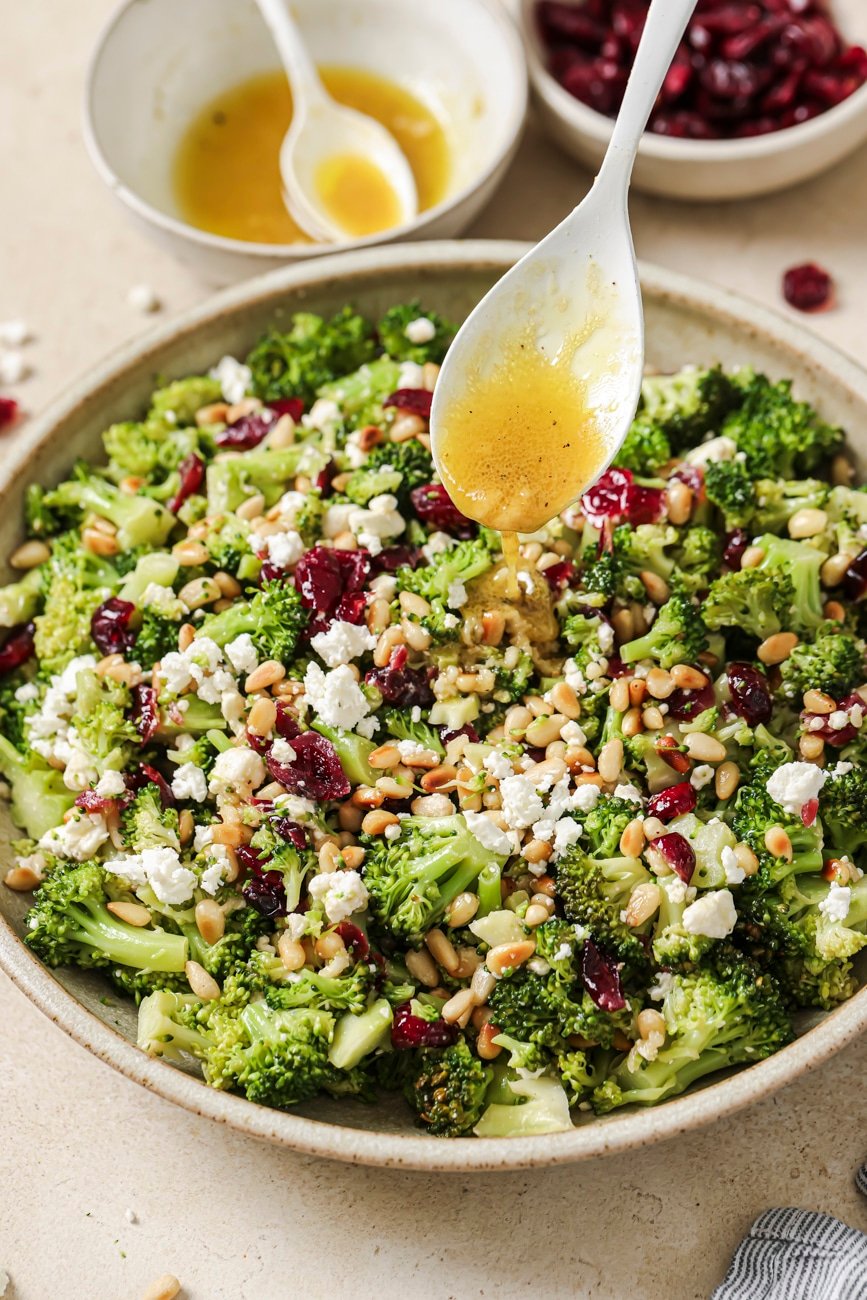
(623, 624)
(610, 760)
(643, 903)
(652, 719)
(632, 724)
(406, 427)
(186, 636)
(486, 1048)
(264, 676)
(349, 817)
(368, 437)
(424, 760)
(752, 557)
(442, 950)
(536, 851)
(842, 470)
(650, 1021)
(565, 701)
(416, 637)
(132, 913)
(679, 496)
(657, 588)
(687, 678)
(377, 820)
(422, 968)
(482, 984)
(633, 839)
(778, 843)
(165, 1288)
(811, 747)
(214, 413)
(807, 522)
(507, 956)
(291, 952)
(535, 915)
(353, 855)
(329, 856)
(833, 571)
(653, 828)
(414, 604)
(386, 756)
(441, 778)
(834, 610)
(282, 434)
(659, 683)
(819, 702)
(229, 586)
(578, 758)
(542, 731)
(262, 716)
(727, 779)
(329, 945)
(747, 860)
(366, 796)
(377, 615)
(458, 1006)
(704, 748)
(545, 886)
(551, 769)
(493, 626)
(388, 641)
(393, 787)
(29, 555)
(190, 554)
(23, 879)
(637, 691)
(231, 834)
(210, 920)
(199, 592)
(99, 543)
(252, 507)
(774, 649)
(432, 805)
(618, 696)
(516, 721)
(203, 985)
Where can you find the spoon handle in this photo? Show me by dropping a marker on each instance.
(294, 55)
(665, 25)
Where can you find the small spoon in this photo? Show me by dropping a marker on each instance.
(575, 301)
(322, 129)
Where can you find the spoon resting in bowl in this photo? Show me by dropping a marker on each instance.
(333, 159)
(542, 382)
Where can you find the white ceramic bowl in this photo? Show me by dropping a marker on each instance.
(686, 321)
(158, 62)
(707, 170)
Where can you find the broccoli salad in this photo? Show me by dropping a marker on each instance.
(291, 769)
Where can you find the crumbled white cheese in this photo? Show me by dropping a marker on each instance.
(217, 869)
(27, 693)
(130, 1216)
(456, 596)
(392, 832)
(233, 377)
(436, 544)
(564, 952)
(713, 914)
(628, 792)
(163, 600)
(420, 330)
(13, 333)
(714, 449)
(733, 871)
(838, 719)
(143, 298)
(342, 642)
(202, 836)
(213, 687)
(835, 905)
(701, 776)
(161, 869)
(839, 769)
(242, 654)
(340, 893)
(336, 519)
(410, 749)
(284, 550)
(522, 805)
(335, 696)
(379, 522)
(566, 833)
(572, 734)
(323, 414)
(794, 784)
(489, 835)
(451, 621)
(296, 925)
(585, 798)
(282, 752)
(236, 771)
(410, 375)
(78, 839)
(110, 785)
(605, 636)
(661, 986)
(13, 367)
(498, 765)
(189, 783)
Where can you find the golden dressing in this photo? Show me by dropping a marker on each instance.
(520, 443)
(511, 557)
(227, 171)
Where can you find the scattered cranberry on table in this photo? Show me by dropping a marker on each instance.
(807, 287)
(744, 67)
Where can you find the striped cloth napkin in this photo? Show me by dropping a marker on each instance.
(799, 1255)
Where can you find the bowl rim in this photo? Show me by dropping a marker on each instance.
(516, 118)
(581, 117)
(611, 1135)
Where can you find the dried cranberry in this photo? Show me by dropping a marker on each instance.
(434, 507)
(17, 648)
(615, 495)
(287, 723)
(293, 406)
(810, 811)
(325, 478)
(291, 831)
(315, 772)
(353, 938)
(153, 777)
(751, 695)
(685, 706)
(855, 577)
(8, 411)
(745, 42)
(266, 891)
(569, 22)
(246, 432)
(466, 730)
(352, 607)
(417, 401)
(819, 724)
(693, 477)
(109, 626)
(392, 558)
(730, 19)
(677, 852)
(601, 978)
(672, 802)
(737, 542)
(807, 287)
(616, 666)
(671, 753)
(192, 472)
(399, 684)
(560, 575)
(408, 1030)
(145, 713)
(324, 575)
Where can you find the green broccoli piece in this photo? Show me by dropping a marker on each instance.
(678, 635)
(228, 544)
(157, 636)
(800, 564)
(146, 824)
(365, 484)
(754, 600)
(276, 1058)
(645, 547)
(834, 662)
(266, 470)
(409, 459)
(510, 684)
(353, 752)
(698, 559)
(447, 1089)
(393, 337)
(348, 991)
(605, 823)
(459, 564)
(75, 582)
(778, 436)
(777, 500)
(755, 812)
(688, 405)
(274, 618)
(360, 395)
(843, 803)
(313, 352)
(595, 891)
(280, 855)
(729, 486)
(646, 447)
(100, 719)
(601, 574)
(39, 797)
(20, 600)
(140, 521)
(399, 723)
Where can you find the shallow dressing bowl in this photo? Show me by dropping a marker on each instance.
(686, 322)
(159, 62)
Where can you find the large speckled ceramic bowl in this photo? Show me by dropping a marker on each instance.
(686, 322)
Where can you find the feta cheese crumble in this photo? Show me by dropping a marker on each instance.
(336, 696)
(835, 905)
(242, 654)
(794, 784)
(339, 892)
(420, 330)
(189, 783)
(237, 771)
(713, 914)
(342, 642)
(233, 377)
(734, 873)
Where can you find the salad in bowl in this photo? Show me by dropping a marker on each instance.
(293, 770)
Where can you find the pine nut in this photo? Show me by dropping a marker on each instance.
(545, 887)
(774, 649)
(811, 747)
(99, 543)
(422, 968)
(687, 678)
(366, 796)
(329, 945)
(262, 716)
(462, 909)
(589, 778)
(132, 913)
(778, 843)
(282, 434)
(726, 780)
(819, 702)
(389, 640)
(747, 860)
(423, 760)
(376, 820)
(482, 983)
(536, 851)
(349, 818)
(210, 920)
(378, 616)
(618, 696)
(704, 748)
(267, 674)
(834, 610)
(752, 557)
(416, 637)
(406, 427)
(624, 625)
(429, 375)
(443, 951)
(368, 437)
(231, 834)
(659, 683)
(531, 551)
(486, 1048)
(637, 691)
(458, 1006)
(633, 839)
(411, 603)
(535, 915)
(551, 769)
(542, 731)
(679, 502)
(291, 952)
(439, 778)
(652, 719)
(610, 760)
(516, 721)
(229, 587)
(23, 879)
(657, 588)
(252, 507)
(329, 857)
(432, 805)
(842, 470)
(386, 756)
(565, 701)
(353, 855)
(199, 592)
(578, 758)
(643, 903)
(650, 1021)
(29, 555)
(165, 1288)
(834, 569)
(493, 627)
(632, 724)
(186, 636)
(190, 554)
(203, 985)
(807, 522)
(508, 956)
(653, 828)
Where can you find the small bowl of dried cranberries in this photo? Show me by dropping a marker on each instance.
(762, 94)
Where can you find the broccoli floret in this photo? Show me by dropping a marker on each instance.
(352, 750)
(600, 574)
(754, 600)
(459, 564)
(13, 711)
(39, 797)
(447, 1089)
(156, 637)
(365, 484)
(645, 547)
(140, 521)
(698, 558)
(513, 683)
(605, 823)
(782, 937)
(413, 878)
(237, 945)
(393, 336)
(410, 459)
(755, 812)
(834, 662)
(580, 631)
(531, 1106)
(266, 470)
(713, 1019)
(276, 1058)
(688, 405)
(70, 924)
(832, 938)
(360, 395)
(75, 583)
(274, 618)
(100, 720)
(843, 806)
(678, 635)
(176, 403)
(228, 544)
(672, 943)
(778, 436)
(777, 500)
(595, 891)
(348, 991)
(280, 855)
(399, 723)
(729, 486)
(646, 447)
(167, 1026)
(800, 564)
(313, 352)
(146, 824)
(20, 600)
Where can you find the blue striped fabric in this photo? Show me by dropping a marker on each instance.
(799, 1255)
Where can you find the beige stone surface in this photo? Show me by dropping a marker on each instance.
(237, 1220)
